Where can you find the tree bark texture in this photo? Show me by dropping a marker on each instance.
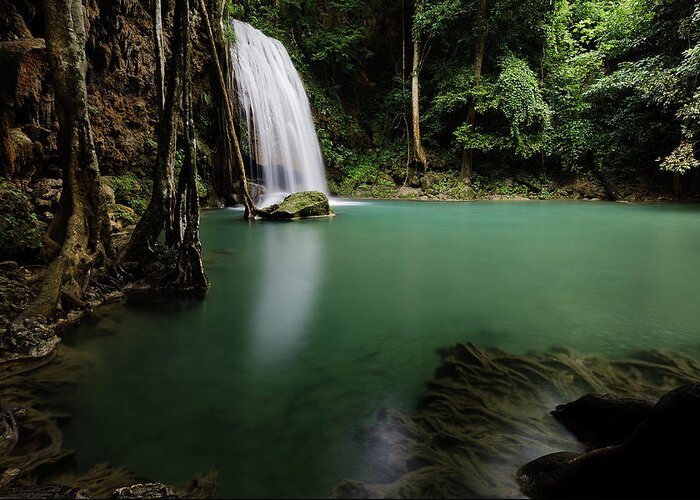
(81, 228)
(419, 152)
(161, 213)
(160, 55)
(190, 275)
(230, 130)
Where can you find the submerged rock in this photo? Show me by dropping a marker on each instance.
(298, 206)
(148, 490)
(33, 338)
(50, 491)
(657, 460)
(599, 420)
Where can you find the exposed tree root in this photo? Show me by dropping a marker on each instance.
(39, 464)
(486, 413)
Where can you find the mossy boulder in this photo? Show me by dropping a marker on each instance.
(20, 237)
(299, 206)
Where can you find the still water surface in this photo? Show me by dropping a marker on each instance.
(311, 327)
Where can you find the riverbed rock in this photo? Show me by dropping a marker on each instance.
(300, 205)
(47, 491)
(658, 460)
(599, 420)
(33, 338)
(9, 433)
(147, 490)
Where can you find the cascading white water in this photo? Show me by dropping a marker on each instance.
(282, 143)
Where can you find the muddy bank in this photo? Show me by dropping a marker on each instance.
(486, 414)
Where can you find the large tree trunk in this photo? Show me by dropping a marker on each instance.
(481, 28)
(161, 212)
(82, 228)
(230, 130)
(421, 157)
(190, 270)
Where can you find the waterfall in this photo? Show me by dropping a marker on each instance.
(283, 149)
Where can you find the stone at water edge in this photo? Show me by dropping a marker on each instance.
(599, 420)
(657, 460)
(300, 205)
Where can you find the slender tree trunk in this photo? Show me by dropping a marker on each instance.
(419, 152)
(676, 185)
(481, 28)
(160, 55)
(403, 90)
(190, 270)
(250, 209)
(161, 212)
(84, 236)
(223, 177)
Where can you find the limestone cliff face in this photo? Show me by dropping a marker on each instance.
(120, 83)
(27, 119)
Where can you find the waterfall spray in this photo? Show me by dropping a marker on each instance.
(276, 119)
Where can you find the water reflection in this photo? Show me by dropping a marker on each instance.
(287, 288)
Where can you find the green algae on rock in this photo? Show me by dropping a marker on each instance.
(301, 205)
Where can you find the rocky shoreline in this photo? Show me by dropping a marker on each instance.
(487, 414)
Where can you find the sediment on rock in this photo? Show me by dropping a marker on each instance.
(305, 204)
(486, 413)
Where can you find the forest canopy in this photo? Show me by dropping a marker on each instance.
(585, 86)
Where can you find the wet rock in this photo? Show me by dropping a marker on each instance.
(47, 193)
(148, 490)
(599, 420)
(33, 338)
(107, 194)
(658, 460)
(8, 431)
(299, 205)
(41, 492)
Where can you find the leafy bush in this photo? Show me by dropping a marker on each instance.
(19, 235)
(131, 191)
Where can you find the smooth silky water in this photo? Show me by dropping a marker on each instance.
(311, 327)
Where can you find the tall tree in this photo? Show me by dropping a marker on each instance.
(479, 48)
(418, 57)
(161, 211)
(80, 231)
(190, 270)
(231, 140)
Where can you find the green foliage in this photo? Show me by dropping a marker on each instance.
(126, 217)
(519, 97)
(681, 159)
(131, 190)
(566, 85)
(19, 235)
